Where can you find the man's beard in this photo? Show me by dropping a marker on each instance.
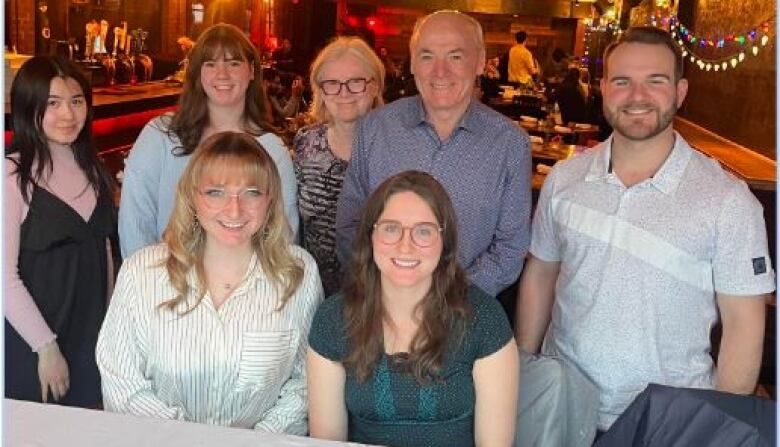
(636, 132)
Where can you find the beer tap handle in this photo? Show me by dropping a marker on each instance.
(124, 35)
(103, 34)
(117, 40)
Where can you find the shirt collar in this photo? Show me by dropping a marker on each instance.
(417, 117)
(665, 180)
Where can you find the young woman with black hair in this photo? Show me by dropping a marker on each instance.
(60, 223)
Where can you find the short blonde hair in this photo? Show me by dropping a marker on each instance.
(335, 50)
(185, 238)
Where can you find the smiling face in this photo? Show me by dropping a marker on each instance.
(66, 111)
(404, 265)
(229, 207)
(641, 96)
(225, 79)
(446, 60)
(347, 107)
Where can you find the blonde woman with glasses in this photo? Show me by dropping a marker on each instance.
(347, 79)
(210, 326)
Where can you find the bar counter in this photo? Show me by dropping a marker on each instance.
(120, 100)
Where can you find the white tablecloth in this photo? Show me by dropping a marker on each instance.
(28, 424)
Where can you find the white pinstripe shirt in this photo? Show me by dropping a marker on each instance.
(242, 365)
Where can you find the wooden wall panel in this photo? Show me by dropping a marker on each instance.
(738, 104)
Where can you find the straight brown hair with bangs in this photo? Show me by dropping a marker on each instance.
(444, 309)
(191, 117)
(243, 157)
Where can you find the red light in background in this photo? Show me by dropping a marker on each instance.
(371, 22)
(353, 21)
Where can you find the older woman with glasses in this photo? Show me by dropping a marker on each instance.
(410, 355)
(211, 325)
(347, 79)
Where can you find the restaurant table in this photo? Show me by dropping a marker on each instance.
(572, 133)
(30, 424)
(527, 104)
(548, 154)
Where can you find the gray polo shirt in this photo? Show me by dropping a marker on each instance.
(640, 266)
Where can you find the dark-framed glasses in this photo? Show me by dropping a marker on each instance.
(354, 85)
(423, 234)
(218, 198)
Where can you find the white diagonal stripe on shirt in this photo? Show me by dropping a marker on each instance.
(635, 241)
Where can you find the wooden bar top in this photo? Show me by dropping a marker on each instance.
(758, 171)
(122, 99)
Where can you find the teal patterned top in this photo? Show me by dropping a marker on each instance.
(391, 408)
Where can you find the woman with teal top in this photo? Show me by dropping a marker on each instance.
(409, 354)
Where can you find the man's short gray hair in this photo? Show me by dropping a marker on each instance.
(479, 39)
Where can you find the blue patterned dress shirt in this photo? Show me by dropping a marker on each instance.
(485, 166)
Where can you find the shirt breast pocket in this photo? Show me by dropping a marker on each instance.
(265, 357)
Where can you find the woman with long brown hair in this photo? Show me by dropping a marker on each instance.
(211, 325)
(222, 92)
(410, 355)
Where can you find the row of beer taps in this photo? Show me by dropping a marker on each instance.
(126, 63)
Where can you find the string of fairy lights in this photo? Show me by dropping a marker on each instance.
(716, 52)
(736, 46)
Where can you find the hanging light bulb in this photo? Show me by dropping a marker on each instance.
(742, 56)
(708, 67)
(717, 67)
(734, 62)
(693, 59)
(755, 50)
(685, 53)
(724, 66)
(764, 40)
(701, 65)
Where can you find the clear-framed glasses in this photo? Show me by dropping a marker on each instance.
(423, 234)
(354, 85)
(218, 198)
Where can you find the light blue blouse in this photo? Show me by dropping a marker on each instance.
(149, 185)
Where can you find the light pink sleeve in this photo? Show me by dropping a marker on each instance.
(20, 309)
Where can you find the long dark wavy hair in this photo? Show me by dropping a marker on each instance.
(444, 309)
(29, 99)
(192, 115)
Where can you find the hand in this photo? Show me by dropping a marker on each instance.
(52, 372)
(297, 87)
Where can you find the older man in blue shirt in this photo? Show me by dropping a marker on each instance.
(482, 158)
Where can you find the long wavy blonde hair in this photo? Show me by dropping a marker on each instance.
(242, 156)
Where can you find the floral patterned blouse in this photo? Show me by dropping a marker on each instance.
(320, 174)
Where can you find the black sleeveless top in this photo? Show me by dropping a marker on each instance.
(63, 264)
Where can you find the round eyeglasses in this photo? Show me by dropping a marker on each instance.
(423, 234)
(218, 198)
(354, 85)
